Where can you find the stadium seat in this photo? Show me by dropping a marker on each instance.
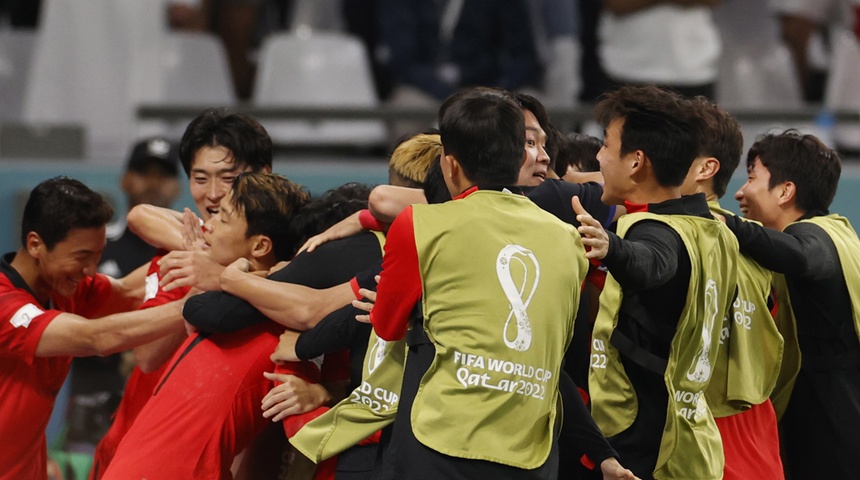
(318, 69)
(192, 70)
(758, 78)
(316, 15)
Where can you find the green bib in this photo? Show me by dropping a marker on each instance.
(691, 447)
(746, 368)
(501, 281)
(848, 247)
(369, 408)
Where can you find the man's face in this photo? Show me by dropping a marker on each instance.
(62, 268)
(212, 173)
(224, 234)
(153, 187)
(613, 165)
(536, 160)
(758, 201)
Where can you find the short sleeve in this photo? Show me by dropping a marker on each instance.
(23, 322)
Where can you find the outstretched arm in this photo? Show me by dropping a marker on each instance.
(298, 296)
(387, 201)
(646, 258)
(779, 251)
(291, 305)
(70, 334)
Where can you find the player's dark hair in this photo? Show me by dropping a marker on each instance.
(243, 136)
(59, 205)
(269, 203)
(802, 159)
(485, 131)
(659, 122)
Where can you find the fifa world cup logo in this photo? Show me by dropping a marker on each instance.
(700, 371)
(375, 355)
(527, 271)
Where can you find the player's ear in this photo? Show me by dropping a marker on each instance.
(708, 169)
(787, 192)
(35, 246)
(261, 246)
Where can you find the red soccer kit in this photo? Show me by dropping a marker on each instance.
(139, 386)
(751, 444)
(205, 409)
(29, 385)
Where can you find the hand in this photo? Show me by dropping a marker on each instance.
(612, 470)
(286, 349)
(593, 233)
(370, 295)
(347, 227)
(292, 396)
(189, 269)
(192, 234)
(240, 264)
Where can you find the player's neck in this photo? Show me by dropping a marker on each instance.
(653, 193)
(28, 268)
(263, 263)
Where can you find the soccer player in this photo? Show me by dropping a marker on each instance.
(792, 179)
(516, 296)
(54, 306)
(215, 147)
(207, 401)
(671, 280)
(750, 352)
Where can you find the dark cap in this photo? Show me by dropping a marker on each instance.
(154, 152)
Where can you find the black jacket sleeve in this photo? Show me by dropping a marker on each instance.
(646, 258)
(786, 252)
(338, 330)
(331, 264)
(554, 196)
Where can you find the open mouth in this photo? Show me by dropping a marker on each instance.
(540, 175)
(212, 210)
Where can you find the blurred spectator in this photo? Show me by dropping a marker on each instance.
(594, 79)
(151, 177)
(556, 33)
(235, 21)
(673, 43)
(806, 26)
(360, 19)
(21, 13)
(437, 47)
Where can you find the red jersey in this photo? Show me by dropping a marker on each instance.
(29, 384)
(139, 386)
(751, 444)
(204, 410)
